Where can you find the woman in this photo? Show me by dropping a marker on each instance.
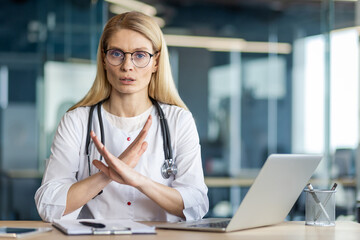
(133, 71)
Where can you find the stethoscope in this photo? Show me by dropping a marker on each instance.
(169, 166)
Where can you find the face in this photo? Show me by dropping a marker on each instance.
(126, 78)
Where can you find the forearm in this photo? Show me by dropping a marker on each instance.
(83, 191)
(166, 197)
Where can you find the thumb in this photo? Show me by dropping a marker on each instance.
(101, 166)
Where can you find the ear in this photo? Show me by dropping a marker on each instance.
(103, 60)
(154, 69)
(156, 62)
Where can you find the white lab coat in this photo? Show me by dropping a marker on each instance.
(68, 164)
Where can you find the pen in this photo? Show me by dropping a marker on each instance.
(92, 224)
(326, 201)
(313, 194)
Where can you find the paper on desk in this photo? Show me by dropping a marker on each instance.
(74, 227)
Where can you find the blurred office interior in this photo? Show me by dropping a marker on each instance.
(260, 77)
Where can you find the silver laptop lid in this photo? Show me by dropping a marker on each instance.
(275, 190)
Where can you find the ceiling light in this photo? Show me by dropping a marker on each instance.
(227, 44)
(119, 10)
(133, 5)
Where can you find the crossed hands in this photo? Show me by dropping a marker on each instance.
(120, 169)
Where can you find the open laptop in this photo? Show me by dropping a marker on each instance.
(270, 198)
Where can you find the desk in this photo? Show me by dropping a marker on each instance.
(247, 181)
(283, 231)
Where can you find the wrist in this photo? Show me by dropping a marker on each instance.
(144, 183)
(103, 177)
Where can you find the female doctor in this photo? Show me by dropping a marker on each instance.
(126, 176)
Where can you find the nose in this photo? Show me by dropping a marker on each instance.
(127, 64)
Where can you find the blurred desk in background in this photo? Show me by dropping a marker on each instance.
(8, 189)
(246, 177)
(243, 178)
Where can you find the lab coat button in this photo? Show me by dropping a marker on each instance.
(129, 203)
(128, 139)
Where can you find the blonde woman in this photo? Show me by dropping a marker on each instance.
(112, 155)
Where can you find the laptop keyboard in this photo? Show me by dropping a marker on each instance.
(222, 224)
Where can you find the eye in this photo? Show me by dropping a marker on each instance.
(116, 53)
(140, 55)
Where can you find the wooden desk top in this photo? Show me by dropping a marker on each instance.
(247, 181)
(284, 231)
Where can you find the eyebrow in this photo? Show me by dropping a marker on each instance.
(135, 49)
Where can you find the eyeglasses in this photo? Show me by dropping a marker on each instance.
(139, 58)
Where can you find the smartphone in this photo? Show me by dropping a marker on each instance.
(16, 232)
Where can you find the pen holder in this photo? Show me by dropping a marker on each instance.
(320, 207)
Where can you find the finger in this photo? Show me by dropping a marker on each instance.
(110, 173)
(111, 160)
(148, 123)
(139, 139)
(115, 176)
(96, 141)
(107, 156)
(143, 133)
(143, 148)
(102, 167)
(144, 130)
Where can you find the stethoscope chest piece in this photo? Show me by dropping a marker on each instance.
(168, 168)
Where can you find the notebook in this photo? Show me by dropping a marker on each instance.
(270, 198)
(102, 227)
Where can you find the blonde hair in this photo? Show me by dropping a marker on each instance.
(161, 87)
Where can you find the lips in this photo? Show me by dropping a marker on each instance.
(127, 79)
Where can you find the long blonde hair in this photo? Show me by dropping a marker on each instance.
(162, 87)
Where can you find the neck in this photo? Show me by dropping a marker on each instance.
(127, 106)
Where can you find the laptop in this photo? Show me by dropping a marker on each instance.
(268, 201)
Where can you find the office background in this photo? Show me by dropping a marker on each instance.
(260, 77)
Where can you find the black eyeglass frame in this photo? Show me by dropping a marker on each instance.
(131, 54)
